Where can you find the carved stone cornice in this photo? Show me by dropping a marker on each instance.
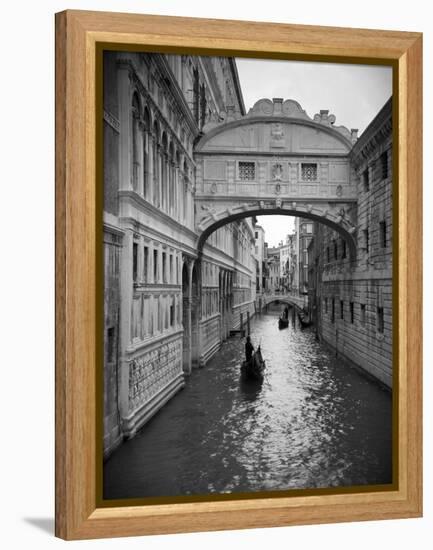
(129, 64)
(112, 121)
(379, 129)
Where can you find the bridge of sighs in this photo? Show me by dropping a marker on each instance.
(276, 160)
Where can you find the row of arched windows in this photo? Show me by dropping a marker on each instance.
(159, 171)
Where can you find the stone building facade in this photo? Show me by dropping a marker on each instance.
(166, 310)
(274, 271)
(260, 254)
(351, 298)
(304, 234)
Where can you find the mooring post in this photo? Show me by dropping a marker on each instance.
(248, 323)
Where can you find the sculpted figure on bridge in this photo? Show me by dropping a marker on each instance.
(277, 172)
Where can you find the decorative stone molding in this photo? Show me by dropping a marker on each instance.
(112, 121)
(150, 372)
(277, 172)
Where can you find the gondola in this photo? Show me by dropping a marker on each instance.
(304, 321)
(283, 322)
(254, 368)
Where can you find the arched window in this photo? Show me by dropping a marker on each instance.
(135, 138)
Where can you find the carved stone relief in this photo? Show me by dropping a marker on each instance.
(277, 135)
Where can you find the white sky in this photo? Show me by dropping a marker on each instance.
(353, 93)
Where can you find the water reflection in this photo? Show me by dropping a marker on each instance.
(312, 422)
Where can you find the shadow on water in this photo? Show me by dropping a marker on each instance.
(250, 389)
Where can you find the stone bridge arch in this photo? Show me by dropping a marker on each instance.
(276, 160)
(336, 217)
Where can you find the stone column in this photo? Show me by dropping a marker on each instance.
(140, 158)
(126, 292)
(160, 278)
(159, 175)
(151, 267)
(172, 189)
(145, 163)
(177, 206)
(125, 119)
(186, 321)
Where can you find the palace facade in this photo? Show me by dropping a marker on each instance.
(165, 311)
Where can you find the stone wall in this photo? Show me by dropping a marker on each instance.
(351, 298)
(154, 376)
(112, 428)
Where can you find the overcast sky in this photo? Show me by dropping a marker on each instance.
(353, 93)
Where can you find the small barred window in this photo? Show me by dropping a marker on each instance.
(308, 172)
(384, 164)
(247, 171)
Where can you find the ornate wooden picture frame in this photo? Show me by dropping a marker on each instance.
(80, 38)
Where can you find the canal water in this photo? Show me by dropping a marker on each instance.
(313, 422)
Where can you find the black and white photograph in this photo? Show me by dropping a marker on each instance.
(248, 276)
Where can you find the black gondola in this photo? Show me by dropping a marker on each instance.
(254, 368)
(283, 322)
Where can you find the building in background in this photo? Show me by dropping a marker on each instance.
(260, 255)
(304, 231)
(273, 265)
(285, 257)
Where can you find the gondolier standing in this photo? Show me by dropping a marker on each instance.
(249, 349)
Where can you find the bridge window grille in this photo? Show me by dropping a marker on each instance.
(333, 310)
(341, 309)
(352, 312)
(247, 171)
(308, 171)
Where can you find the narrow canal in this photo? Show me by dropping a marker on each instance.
(314, 422)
